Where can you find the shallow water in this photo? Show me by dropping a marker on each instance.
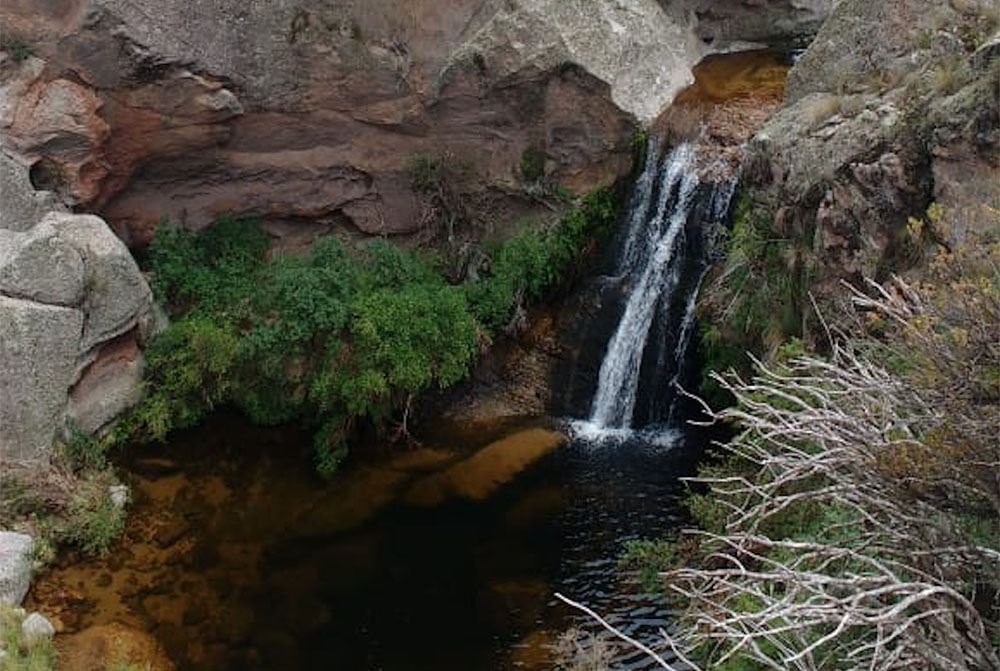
(441, 557)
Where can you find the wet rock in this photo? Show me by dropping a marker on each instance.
(15, 566)
(119, 495)
(37, 626)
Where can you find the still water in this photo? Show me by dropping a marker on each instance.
(444, 556)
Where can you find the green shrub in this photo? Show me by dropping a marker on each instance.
(425, 172)
(93, 521)
(529, 264)
(532, 165)
(329, 338)
(16, 46)
(82, 450)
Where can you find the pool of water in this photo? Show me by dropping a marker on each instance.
(444, 556)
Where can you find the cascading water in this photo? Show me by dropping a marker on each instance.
(660, 267)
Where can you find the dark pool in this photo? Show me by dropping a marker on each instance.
(441, 557)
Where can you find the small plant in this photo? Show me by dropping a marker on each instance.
(949, 76)
(16, 46)
(425, 172)
(532, 165)
(20, 653)
(83, 450)
(93, 521)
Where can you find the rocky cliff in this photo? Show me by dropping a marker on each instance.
(892, 107)
(313, 110)
(74, 312)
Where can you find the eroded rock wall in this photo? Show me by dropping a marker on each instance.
(311, 111)
(893, 106)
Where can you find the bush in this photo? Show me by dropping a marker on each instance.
(329, 338)
(532, 165)
(16, 46)
(530, 263)
(93, 521)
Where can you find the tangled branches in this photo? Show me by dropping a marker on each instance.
(857, 513)
(891, 578)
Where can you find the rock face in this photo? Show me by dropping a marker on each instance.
(310, 111)
(74, 310)
(891, 107)
(15, 566)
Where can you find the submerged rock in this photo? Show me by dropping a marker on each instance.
(484, 472)
(99, 647)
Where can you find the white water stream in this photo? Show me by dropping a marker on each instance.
(650, 265)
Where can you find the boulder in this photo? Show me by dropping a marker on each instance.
(21, 207)
(39, 266)
(74, 313)
(37, 626)
(39, 345)
(117, 297)
(15, 566)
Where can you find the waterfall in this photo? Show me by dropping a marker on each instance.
(660, 267)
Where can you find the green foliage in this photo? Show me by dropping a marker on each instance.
(526, 266)
(760, 293)
(82, 450)
(22, 654)
(425, 172)
(639, 143)
(532, 165)
(650, 557)
(16, 46)
(93, 522)
(329, 338)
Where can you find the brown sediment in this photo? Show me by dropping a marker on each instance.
(193, 556)
(732, 96)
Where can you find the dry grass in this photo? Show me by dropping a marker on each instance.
(949, 76)
(820, 110)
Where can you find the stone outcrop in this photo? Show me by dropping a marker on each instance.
(311, 112)
(74, 310)
(891, 107)
(15, 566)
